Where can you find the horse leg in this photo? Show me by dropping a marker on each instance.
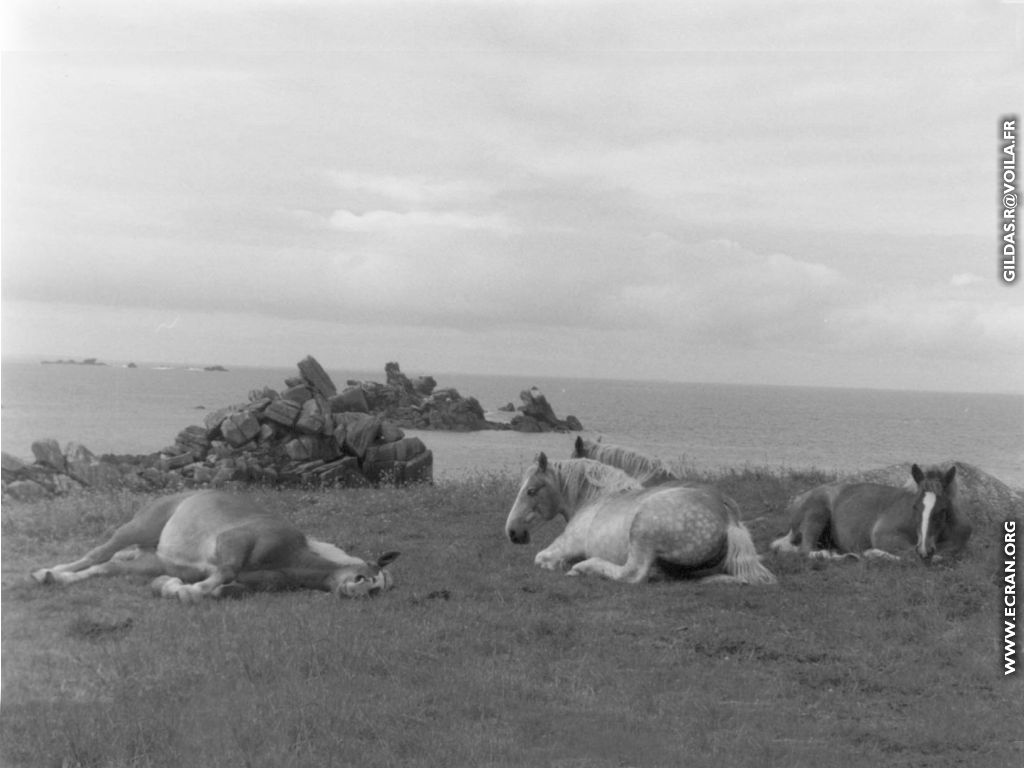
(146, 564)
(558, 554)
(636, 568)
(231, 552)
(787, 543)
(128, 535)
(815, 522)
(879, 554)
(143, 531)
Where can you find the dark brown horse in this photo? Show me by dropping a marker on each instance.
(878, 521)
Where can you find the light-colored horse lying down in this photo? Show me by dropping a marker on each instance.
(620, 530)
(853, 520)
(216, 544)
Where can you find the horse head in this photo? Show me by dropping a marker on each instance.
(538, 501)
(933, 507)
(366, 580)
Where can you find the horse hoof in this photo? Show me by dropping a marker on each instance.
(44, 576)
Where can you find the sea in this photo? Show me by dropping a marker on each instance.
(121, 410)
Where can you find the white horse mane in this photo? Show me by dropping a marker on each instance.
(642, 467)
(581, 481)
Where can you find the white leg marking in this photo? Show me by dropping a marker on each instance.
(879, 554)
(784, 544)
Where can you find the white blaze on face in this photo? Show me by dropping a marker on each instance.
(928, 503)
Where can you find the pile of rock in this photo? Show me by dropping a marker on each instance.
(417, 404)
(306, 434)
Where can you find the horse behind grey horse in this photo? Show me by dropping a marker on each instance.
(618, 529)
(648, 470)
(216, 544)
(878, 521)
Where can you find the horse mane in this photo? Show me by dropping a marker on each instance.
(582, 481)
(638, 465)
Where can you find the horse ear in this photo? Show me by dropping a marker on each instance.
(542, 461)
(917, 474)
(386, 558)
(950, 476)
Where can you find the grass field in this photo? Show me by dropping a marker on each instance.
(478, 658)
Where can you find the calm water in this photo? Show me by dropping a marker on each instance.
(120, 410)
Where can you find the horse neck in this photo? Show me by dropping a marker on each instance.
(579, 488)
(327, 556)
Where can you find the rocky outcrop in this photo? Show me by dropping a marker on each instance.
(418, 404)
(982, 497)
(86, 361)
(537, 415)
(304, 434)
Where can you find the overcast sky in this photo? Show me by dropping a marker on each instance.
(789, 192)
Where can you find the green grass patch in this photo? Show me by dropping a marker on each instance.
(478, 658)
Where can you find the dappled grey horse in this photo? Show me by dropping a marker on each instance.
(618, 529)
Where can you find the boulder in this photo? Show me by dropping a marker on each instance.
(299, 393)
(283, 411)
(361, 431)
(351, 398)
(316, 377)
(311, 419)
(984, 498)
(48, 453)
(239, 428)
(26, 490)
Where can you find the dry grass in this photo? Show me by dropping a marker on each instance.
(480, 659)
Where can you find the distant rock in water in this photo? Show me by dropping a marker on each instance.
(419, 404)
(537, 415)
(85, 361)
(216, 368)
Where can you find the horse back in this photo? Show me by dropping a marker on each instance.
(859, 507)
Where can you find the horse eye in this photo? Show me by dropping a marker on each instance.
(531, 491)
(360, 579)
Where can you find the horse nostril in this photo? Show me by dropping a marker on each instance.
(519, 537)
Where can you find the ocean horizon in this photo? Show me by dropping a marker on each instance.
(115, 409)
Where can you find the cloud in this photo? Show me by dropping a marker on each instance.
(414, 190)
(963, 279)
(385, 221)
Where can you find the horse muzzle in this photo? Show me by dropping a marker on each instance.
(517, 536)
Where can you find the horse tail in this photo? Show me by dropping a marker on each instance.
(741, 558)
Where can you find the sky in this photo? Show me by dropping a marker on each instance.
(799, 193)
